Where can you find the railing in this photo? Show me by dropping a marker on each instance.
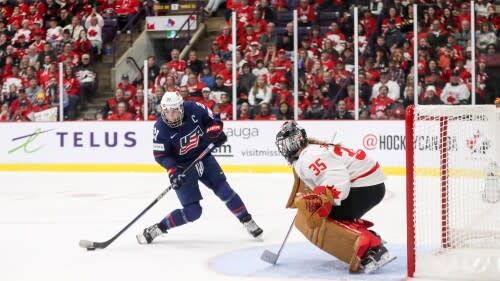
(198, 11)
(134, 62)
(132, 24)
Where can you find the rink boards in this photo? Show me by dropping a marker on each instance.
(127, 146)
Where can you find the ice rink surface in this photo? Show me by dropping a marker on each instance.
(44, 215)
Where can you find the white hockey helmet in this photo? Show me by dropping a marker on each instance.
(290, 139)
(169, 102)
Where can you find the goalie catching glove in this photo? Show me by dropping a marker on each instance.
(316, 205)
(216, 134)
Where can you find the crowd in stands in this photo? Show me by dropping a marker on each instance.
(264, 58)
(37, 35)
(386, 40)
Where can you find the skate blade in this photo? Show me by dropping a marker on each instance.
(141, 239)
(371, 267)
(259, 238)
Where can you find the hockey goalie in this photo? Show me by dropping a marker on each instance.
(334, 187)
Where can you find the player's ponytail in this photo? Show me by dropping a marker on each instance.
(320, 142)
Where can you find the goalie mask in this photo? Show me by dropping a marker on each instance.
(172, 109)
(290, 139)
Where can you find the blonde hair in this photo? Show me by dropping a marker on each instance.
(320, 142)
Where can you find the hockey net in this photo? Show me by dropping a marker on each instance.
(453, 192)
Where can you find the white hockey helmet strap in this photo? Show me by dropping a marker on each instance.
(172, 101)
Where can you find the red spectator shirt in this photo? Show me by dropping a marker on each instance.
(16, 103)
(208, 103)
(268, 117)
(177, 66)
(127, 116)
(307, 12)
(113, 105)
(129, 91)
(380, 105)
(125, 7)
(226, 111)
(72, 86)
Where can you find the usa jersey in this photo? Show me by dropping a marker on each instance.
(321, 165)
(178, 147)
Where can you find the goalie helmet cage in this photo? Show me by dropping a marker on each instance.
(453, 193)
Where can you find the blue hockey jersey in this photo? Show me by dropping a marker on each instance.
(178, 147)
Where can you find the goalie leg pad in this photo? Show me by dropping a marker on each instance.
(345, 240)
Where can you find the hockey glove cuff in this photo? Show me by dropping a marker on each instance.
(216, 134)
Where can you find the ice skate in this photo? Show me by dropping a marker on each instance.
(149, 234)
(375, 259)
(252, 227)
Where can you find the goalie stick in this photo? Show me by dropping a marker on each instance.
(89, 245)
(271, 257)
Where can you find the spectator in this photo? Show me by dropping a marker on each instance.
(409, 96)
(220, 88)
(455, 92)
(430, 96)
(305, 13)
(86, 75)
(260, 92)
(177, 65)
(265, 112)
(247, 79)
(485, 36)
(244, 112)
(226, 107)
(74, 28)
(154, 101)
(284, 112)
(392, 86)
(111, 106)
(285, 41)
(33, 89)
(206, 99)
(72, 88)
(380, 104)
(341, 113)
(135, 104)
(349, 101)
(83, 44)
(193, 62)
(128, 89)
(206, 77)
(22, 112)
(194, 87)
(41, 103)
(270, 37)
(4, 113)
(94, 24)
(20, 98)
(463, 34)
(315, 111)
(153, 70)
(260, 68)
(121, 114)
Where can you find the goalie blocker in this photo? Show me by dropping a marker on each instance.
(346, 185)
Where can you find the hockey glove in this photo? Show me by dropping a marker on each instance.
(315, 206)
(216, 134)
(176, 178)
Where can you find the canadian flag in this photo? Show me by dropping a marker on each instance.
(92, 33)
(150, 26)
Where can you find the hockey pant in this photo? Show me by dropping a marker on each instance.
(210, 174)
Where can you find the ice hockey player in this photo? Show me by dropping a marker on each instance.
(334, 187)
(184, 130)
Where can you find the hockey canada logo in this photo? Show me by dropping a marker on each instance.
(190, 141)
(478, 143)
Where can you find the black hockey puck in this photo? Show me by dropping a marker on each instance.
(90, 249)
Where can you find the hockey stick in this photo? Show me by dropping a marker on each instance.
(271, 257)
(89, 245)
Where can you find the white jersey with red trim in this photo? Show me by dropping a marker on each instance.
(321, 165)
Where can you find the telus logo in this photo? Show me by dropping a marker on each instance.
(94, 139)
